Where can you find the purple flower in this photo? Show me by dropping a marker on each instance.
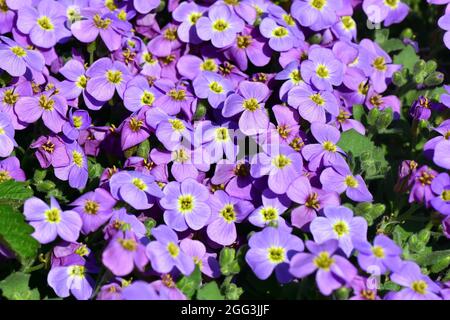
(190, 66)
(280, 38)
(51, 150)
(421, 108)
(45, 24)
(175, 97)
(364, 288)
(441, 155)
(444, 130)
(322, 69)
(122, 221)
(185, 205)
(16, 60)
(333, 270)
(326, 152)
(380, 257)
(6, 18)
(10, 169)
(50, 221)
(218, 141)
(166, 42)
(52, 108)
(7, 142)
(106, 77)
(311, 200)
(108, 26)
(139, 94)
(236, 179)
(388, 11)
(317, 15)
(123, 253)
(77, 169)
(72, 279)
(134, 130)
(95, 209)
(8, 99)
(250, 102)
(225, 213)
(340, 224)
(269, 213)
(220, 26)
(78, 120)
(421, 189)
(135, 188)
(313, 104)
(165, 253)
(271, 249)
(145, 6)
(441, 187)
(341, 179)
(206, 261)
(188, 13)
(281, 163)
(417, 285)
(212, 86)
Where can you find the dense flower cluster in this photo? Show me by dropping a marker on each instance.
(182, 131)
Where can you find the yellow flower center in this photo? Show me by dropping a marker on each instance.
(82, 250)
(45, 23)
(3, 6)
(241, 170)
(46, 103)
(322, 71)
(378, 252)
(283, 131)
(222, 134)
(343, 116)
(77, 121)
(323, 261)
(269, 214)
(4, 176)
(139, 183)
(295, 76)
(101, 23)
(194, 16)
(363, 88)
(297, 144)
(220, 25)
(329, 146)
(53, 215)
(289, 20)
(77, 271)
(231, 2)
(135, 124)
(445, 195)
(281, 161)
(426, 178)
(122, 15)
(348, 23)
(351, 182)
(318, 4)
(317, 99)
(91, 207)
(313, 201)
(48, 146)
(185, 203)
(251, 104)
(380, 64)
(128, 244)
(19, 51)
(244, 41)
(209, 65)
(276, 255)
(81, 82)
(391, 3)
(148, 58)
(180, 155)
(114, 76)
(447, 135)
(280, 32)
(215, 87)
(228, 213)
(177, 95)
(341, 228)
(77, 158)
(419, 286)
(110, 5)
(177, 125)
(170, 34)
(9, 97)
(168, 59)
(173, 249)
(147, 98)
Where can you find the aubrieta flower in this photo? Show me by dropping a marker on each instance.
(441, 155)
(45, 24)
(341, 179)
(10, 169)
(250, 102)
(345, 28)
(417, 286)
(281, 163)
(16, 60)
(421, 186)
(311, 200)
(322, 69)
(7, 142)
(135, 188)
(8, 98)
(333, 270)
(220, 26)
(122, 221)
(315, 14)
(429, 148)
(206, 261)
(225, 213)
(188, 13)
(444, 23)
(272, 249)
(95, 209)
(134, 129)
(389, 11)
(441, 187)
(280, 38)
(72, 279)
(384, 254)
(165, 253)
(145, 6)
(162, 45)
(78, 120)
(76, 171)
(212, 86)
(340, 224)
(175, 97)
(364, 288)
(269, 213)
(190, 66)
(51, 221)
(236, 179)
(186, 205)
(123, 253)
(218, 141)
(105, 78)
(139, 93)
(51, 150)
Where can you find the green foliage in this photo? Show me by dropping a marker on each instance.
(209, 291)
(16, 287)
(190, 284)
(229, 265)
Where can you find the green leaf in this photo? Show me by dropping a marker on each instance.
(190, 284)
(15, 190)
(354, 142)
(358, 111)
(228, 263)
(15, 287)
(407, 57)
(16, 234)
(392, 45)
(143, 149)
(210, 291)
